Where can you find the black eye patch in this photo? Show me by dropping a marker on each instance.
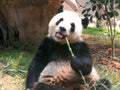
(72, 27)
(60, 20)
(62, 29)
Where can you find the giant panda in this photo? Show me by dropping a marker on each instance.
(54, 68)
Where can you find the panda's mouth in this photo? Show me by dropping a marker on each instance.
(60, 35)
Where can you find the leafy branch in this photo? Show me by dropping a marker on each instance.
(104, 10)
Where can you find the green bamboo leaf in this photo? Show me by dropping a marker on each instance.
(96, 15)
(104, 16)
(111, 14)
(88, 10)
(116, 13)
(84, 11)
(91, 18)
(87, 15)
(107, 1)
(94, 8)
(93, 1)
(119, 5)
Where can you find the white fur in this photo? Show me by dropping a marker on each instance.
(93, 76)
(59, 72)
(69, 17)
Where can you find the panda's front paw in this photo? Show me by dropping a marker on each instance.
(82, 65)
(75, 64)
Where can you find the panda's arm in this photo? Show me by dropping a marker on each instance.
(82, 61)
(38, 63)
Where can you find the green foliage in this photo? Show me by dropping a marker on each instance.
(102, 35)
(15, 61)
(106, 6)
(99, 32)
(94, 31)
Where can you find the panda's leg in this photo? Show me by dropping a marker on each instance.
(95, 83)
(43, 86)
(92, 78)
(102, 84)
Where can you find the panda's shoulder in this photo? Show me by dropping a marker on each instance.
(81, 45)
(45, 43)
(45, 40)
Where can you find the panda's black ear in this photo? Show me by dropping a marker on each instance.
(85, 22)
(59, 9)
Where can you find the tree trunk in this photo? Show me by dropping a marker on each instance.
(27, 19)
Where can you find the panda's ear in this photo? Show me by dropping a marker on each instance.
(85, 22)
(59, 9)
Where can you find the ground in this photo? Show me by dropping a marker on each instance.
(8, 82)
(100, 54)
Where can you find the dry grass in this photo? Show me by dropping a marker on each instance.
(13, 68)
(8, 82)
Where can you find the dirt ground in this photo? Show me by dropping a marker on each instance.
(101, 53)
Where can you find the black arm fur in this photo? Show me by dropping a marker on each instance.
(42, 86)
(82, 61)
(38, 63)
(59, 9)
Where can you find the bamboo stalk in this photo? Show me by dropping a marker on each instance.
(68, 44)
(70, 49)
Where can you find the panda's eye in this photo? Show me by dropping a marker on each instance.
(72, 27)
(60, 20)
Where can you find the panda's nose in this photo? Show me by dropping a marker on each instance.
(62, 29)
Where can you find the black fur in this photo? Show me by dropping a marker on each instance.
(103, 84)
(72, 27)
(50, 50)
(60, 20)
(62, 29)
(59, 9)
(42, 86)
(85, 22)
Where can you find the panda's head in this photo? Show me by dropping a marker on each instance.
(65, 24)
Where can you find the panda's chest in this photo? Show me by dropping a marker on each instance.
(57, 73)
(61, 53)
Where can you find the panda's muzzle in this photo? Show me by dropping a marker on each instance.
(60, 35)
